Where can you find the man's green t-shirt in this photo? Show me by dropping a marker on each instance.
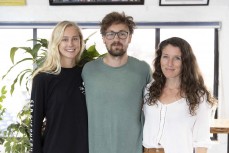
(114, 97)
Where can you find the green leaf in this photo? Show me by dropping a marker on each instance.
(25, 59)
(12, 53)
(13, 85)
(40, 61)
(14, 49)
(26, 84)
(35, 50)
(3, 91)
(43, 42)
(23, 73)
(92, 51)
(3, 96)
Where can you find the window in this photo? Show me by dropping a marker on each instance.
(8, 39)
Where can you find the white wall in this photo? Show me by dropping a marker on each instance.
(218, 10)
(40, 10)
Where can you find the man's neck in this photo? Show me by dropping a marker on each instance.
(115, 61)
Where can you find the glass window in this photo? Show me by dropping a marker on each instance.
(44, 33)
(142, 45)
(13, 38)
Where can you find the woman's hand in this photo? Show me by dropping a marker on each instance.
(201, 150)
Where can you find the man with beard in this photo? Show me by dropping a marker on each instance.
(114, 87)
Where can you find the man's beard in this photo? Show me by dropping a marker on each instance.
(114, 51)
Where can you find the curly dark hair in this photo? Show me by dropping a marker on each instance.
(117, 18)
(192, 83)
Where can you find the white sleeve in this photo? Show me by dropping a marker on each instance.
(201, 129)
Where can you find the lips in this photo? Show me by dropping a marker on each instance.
(70, 50)
(170, 69)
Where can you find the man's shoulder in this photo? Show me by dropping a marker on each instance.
(138, 61)
(92, 62)
(91, 65)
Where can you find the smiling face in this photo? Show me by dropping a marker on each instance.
(117, 47)
(171, 62)
(69, 46)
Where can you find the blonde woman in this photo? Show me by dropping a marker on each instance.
(58, 96)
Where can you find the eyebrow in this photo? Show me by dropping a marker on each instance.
(117, 31)
(68, 36)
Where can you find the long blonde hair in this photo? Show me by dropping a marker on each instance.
(52, 62)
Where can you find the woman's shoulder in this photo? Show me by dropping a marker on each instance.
(205, 105)
(43, 76)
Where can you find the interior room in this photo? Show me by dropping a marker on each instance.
(204, 24)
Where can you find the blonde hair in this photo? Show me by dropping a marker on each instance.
(52, 62)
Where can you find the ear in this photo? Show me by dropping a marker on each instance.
(104, 41)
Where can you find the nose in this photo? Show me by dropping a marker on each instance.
(70, 42)
(116, 36)
(170, 62)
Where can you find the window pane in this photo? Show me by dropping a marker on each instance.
(44, 33)
(142, 45)
(13, 38)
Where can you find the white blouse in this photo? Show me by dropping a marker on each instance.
(172, 127)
